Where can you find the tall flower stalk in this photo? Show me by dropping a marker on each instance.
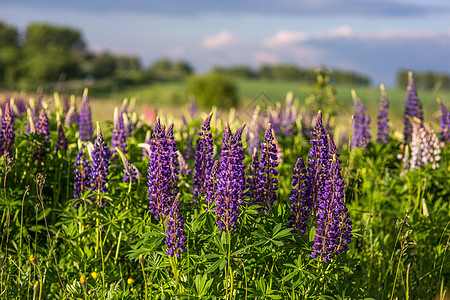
(118, 138)
(7, 135)
(175, 234)
(413, 109)
(231, 179)
(267, 179)
(82, 176)
(100, 167)
(160, 188)
(445, 122)
(361, 124)
(383, 118)
(203, 159)
(85, 118)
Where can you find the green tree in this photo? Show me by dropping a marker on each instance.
(9, 53)
(51, 51)
(214, 89)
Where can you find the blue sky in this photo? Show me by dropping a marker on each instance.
(375, 37)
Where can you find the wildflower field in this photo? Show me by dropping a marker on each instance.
(284, 203)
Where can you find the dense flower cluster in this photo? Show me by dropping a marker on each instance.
(100, 167)
(85, 119)
(317, 197)
(230, 179)
(424, 146)
(413, 109)
(130, 172)
(82, 176)
(203, 158)
(7, 135)
(118, 138)
(175, 235)
(361, 124)
(160, 185)
(252, 179)
(333, 226)
(211, 184)
(445, 123)
(298, 198)
(383, 118)
(267, 181)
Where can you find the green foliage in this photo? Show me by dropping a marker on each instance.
(399, 249)
(214, 89)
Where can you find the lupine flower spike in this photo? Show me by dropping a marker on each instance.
(252, 179)
(424, 146)
(361, 124)
(231, 179)
(159, 173)
(175, 235)
(7, 135)
(100, 167)
(118, 139)
(267, 182)
(61, 142)
(383, 118)
(298, 198)
(333, 226)
(130, 172)
(203, 159)
(445, 122)
(85, 118)
(413, 108)
(82, 176)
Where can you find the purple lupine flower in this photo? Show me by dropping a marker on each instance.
(361, 124)
(425, 148)
(445, 122)
(267, 181)
(130, 172)
(82, 176)
(118, 138)
(159, 173)
(413, 108)
(333, 225)
(85, 118)
(252, 179)
(383, 118)
(203, 159)
(61, 142)
(123, 118)
(175, 235)
(44, 132)
(100, 167)
(318, 166)
(211, 185)
(174, 164)
(7, 135)
(231, 179)
(298, 197)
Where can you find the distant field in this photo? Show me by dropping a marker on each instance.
(172, 97)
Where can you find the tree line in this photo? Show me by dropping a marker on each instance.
(49, 53)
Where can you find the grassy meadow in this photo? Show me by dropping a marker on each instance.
(124, 210)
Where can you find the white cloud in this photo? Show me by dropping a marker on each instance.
(219, 40)
(284, 38)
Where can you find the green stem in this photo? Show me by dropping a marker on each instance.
(21, 236)
(145, 281)
(103, 264)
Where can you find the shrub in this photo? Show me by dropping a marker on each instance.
(214, 89)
